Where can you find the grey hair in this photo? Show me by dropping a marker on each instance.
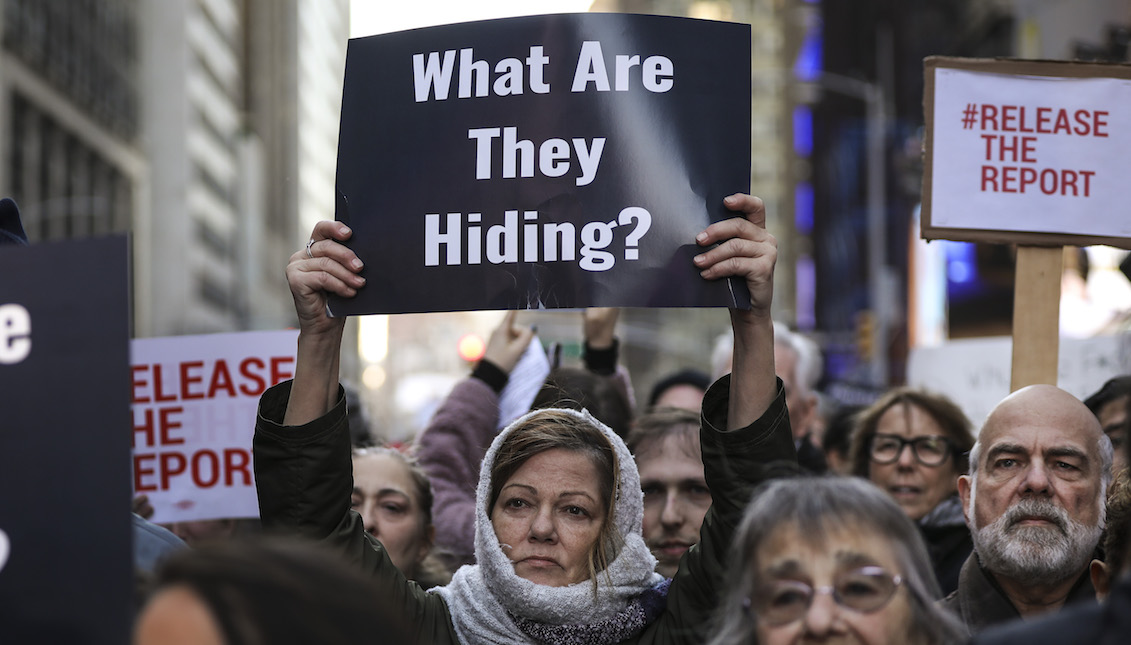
(1103, 446)
(721, 355)
(808, 355)
(815, 506)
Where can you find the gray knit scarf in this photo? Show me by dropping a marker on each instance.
(489, 603)
(627, 623)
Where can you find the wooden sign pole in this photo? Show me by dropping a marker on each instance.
(973, 193)
(1036, 315)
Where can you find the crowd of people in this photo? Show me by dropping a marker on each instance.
(730, 509)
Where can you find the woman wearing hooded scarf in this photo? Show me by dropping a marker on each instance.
(560, 556)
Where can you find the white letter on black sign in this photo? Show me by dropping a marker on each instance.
(482, 138)
(509, 81)
(474, 244)
(624, 64)
(590, 68)
(433, 238)
(432, 76)
(15, 333)
(657, 73)
(553, 157)
(467, 67)
(596, 236)
(588, 159)
(537, 62)
(502, 240)
(517, 152)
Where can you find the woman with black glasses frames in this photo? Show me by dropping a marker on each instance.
(830, 559)
(913, 444)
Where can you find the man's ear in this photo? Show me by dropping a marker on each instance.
(1101, 579)
(964, 495)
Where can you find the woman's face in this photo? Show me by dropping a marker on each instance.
(915, 486)
(385, 496)
(787, 558)
(549, 515)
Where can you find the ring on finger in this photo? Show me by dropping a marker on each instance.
(308, 245)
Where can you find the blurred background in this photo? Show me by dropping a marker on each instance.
(207, 129)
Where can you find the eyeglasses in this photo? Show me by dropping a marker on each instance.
(931, 450)
(863, 590)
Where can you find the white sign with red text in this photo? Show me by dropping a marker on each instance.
(975, 372)
(1031, 153)
(194, 401)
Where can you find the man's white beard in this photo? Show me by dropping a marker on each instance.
(1035, 554)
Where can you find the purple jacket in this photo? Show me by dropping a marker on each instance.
(450, 450)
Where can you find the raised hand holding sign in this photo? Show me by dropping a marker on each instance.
(542, 162)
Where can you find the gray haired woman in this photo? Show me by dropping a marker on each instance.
(830, 558)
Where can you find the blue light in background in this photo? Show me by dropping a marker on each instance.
(803, 207)
(803, 131)
(805, 276)
(808, 65)
(960, 265)
(961, 268)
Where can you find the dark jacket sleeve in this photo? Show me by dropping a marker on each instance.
(450, 450)
(304, 479)
(734, 463)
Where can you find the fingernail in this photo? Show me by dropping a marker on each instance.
(699, 259)
(357, 263)
(343, 229)
(730, 199)
(702, 237)
(360, 280)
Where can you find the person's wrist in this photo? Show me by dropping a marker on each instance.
(324, 339)
(321, 325)
(755, 316)
(601, 360)
(600, 344)
(491, 374)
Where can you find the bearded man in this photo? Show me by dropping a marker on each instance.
(1034, 502)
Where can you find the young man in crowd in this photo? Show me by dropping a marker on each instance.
(1034, 501)
(665, 443)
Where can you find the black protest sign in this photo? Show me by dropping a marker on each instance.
(65, 557)
(542, 162)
